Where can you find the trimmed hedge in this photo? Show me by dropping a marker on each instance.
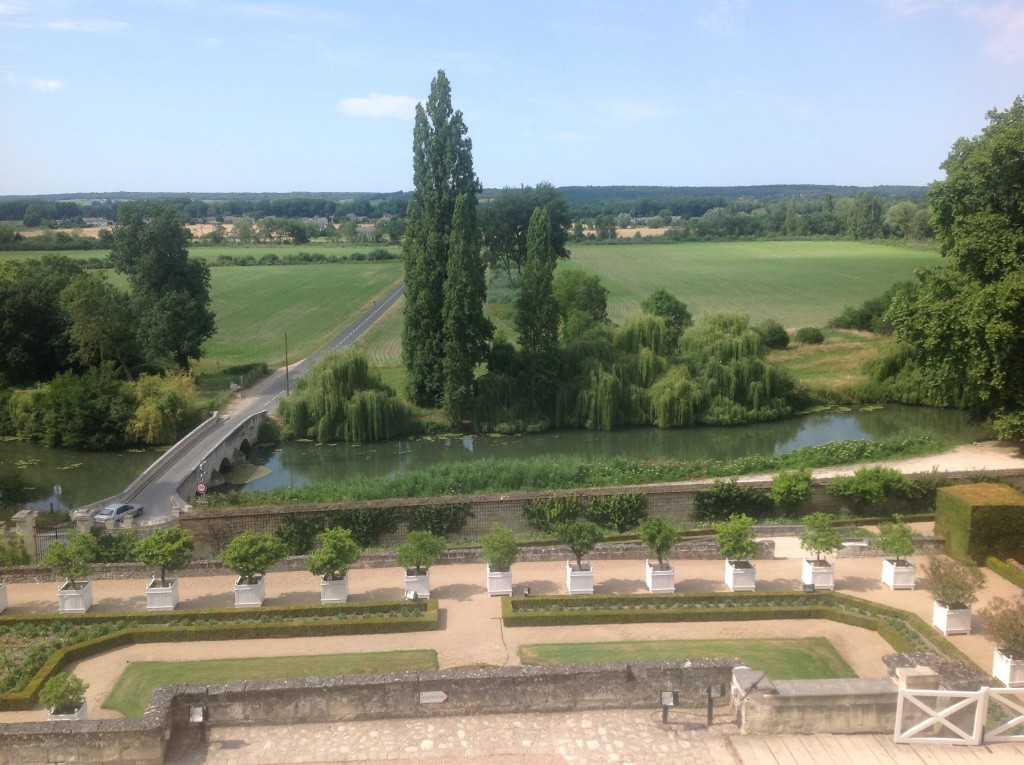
(1012, 574)
(904, 631)
(980, 520)
(287, 621)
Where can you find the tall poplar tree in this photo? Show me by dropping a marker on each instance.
(536, 316)
(442, 173)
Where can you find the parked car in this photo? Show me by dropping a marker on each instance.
(117, 513)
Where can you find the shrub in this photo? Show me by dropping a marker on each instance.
(1004, 621)
(440, 520)
(250, 554)
(169, 548)
(420, 551)
(810, 336)
(366, 524)
(874, 485)
(12, 550)
(63, 693)
(71, 559)
(820, 535)
(773, 335)
(736, 537)
(895, 538)
(337, 551)
(724, 498)
(953, 584)
(580, 537)
(114, 546)
(545, 514)
(498, 547)
(659, 534)
(298, 532)
(617, 512)
(791, 487)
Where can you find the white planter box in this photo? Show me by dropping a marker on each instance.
(74, 601)
(579, 582)
(418, 584)
(162, 598)
(499, 582)
(660, 580)
(1010, 672)
(3, 597)
(901, 577)
(334, 590)
(822, 575)
(82, 713)
(740, 575)
(951, 621)
(249, 595)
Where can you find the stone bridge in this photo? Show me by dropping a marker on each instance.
(228, 452)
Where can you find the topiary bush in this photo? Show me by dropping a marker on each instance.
(250, 554)
(63, 693)
(659, 534)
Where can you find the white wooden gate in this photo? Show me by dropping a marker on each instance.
(959, 717)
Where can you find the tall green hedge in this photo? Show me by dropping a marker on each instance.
(980, 520)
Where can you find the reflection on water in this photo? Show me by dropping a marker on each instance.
(297, 464)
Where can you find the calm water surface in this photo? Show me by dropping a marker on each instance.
(29, 473)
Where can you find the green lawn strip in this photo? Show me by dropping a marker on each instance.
(780, 658)
(71, 639)
(134, 687)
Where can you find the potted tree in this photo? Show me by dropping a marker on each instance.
(580, 537)
(659, 534)
(170, 548)
(63, 695)
(331, 561)
(416, 555)
(1004, 621)
(896, 538)
(954, 587)
(819, 537)
(249, 555)
(498, 547)
(71, 559)
(736, 543)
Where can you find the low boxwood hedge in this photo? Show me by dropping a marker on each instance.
(222, 624)
(1012, 574)
(904, 631)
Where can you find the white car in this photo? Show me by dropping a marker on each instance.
(117, 513)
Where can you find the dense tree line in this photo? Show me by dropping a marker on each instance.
(80, 342)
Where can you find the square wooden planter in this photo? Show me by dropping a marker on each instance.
(821, 574)
(417, 586)
(660, 580)
(499, 582)
(334, 590)
(579, 582)
(899, 575)
(3, 597)
(740, 575)
(162, 598)
(76, 601)
(250, 595)
(82, 713)
(951, 621)
(1007, 670)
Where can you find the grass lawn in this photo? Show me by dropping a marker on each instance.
(133, 688)
(781, 659)
(835, 365)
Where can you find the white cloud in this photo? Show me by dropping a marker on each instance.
(1006, 24)
(722, 16)
(570, 137)
(378, 105)
(100, 26)
(638, 111)
(37, 84)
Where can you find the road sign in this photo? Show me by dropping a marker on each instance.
(201, 487)
(433, 697)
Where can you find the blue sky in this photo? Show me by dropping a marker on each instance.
(203, 96)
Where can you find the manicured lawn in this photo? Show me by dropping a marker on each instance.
(131, 693)
(781, 659)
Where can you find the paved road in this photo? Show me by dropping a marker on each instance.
(266, 394)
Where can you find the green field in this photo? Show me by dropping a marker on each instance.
(131, 692)
(779, 658)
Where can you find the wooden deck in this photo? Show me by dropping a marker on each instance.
(867, 750)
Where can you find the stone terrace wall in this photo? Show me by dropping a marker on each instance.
(215, 527)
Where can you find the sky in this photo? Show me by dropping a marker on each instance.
(319, 95)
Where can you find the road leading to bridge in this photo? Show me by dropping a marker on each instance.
(157, 495)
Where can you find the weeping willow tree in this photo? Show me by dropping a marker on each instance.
(342, 399)
(674, 398)
(735, 383)
(643, 331)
